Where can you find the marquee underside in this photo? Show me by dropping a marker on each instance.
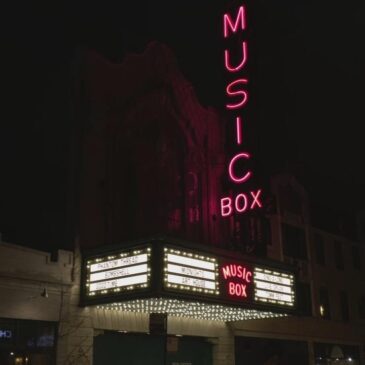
(190, 309)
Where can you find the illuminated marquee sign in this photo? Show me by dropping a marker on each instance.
(235, 27)
(274, 287)
(164, 270)
(222, 279)
(123, 271)
(248, 283)
(189, 271)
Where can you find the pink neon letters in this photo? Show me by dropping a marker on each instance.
(238, 97)
(256, 200)
(243, 62)
(240, 21)
(239, 130)
(241, 276)
(232, 175)
(226, 207)
(243, 202)
(234, 92)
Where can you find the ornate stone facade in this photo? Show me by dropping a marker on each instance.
(152, 156)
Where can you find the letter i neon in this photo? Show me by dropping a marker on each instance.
(239, 130)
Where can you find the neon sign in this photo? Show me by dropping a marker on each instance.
(237, 100)
(158, 269)
(238, 278)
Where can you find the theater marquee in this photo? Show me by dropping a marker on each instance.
(124, 271)
(181, 280)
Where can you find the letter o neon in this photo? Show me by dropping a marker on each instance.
(244, 206)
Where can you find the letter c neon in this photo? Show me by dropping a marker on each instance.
(234, 177)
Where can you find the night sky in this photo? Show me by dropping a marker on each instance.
(309, 73)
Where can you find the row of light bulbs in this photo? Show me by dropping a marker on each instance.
(196, 310)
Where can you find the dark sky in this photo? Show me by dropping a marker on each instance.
(309, 72)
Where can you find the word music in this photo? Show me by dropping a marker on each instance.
(241, 277)
(238, 97)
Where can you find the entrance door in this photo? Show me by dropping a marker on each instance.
(188, 351)
(114, 348)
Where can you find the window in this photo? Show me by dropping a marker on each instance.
(344, 306)
(253, 233)
(334, 354)
(324, 303)
(356, 258)
(337, 248)
(290, 200)
(294, 242)
(319, 248)
(362, 307)
(251, 350)
(29, 341)
(304, 299)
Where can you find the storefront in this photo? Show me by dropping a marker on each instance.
(115, 347)
(336, 354)
(265, 351)
(26, 342)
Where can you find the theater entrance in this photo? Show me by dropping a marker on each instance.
(116, 348)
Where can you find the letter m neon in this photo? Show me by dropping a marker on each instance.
(240, 22)
(226, 272)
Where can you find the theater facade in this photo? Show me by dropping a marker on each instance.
(184, 253)
(174, 283)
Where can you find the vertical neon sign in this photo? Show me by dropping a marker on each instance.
(238, 97)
